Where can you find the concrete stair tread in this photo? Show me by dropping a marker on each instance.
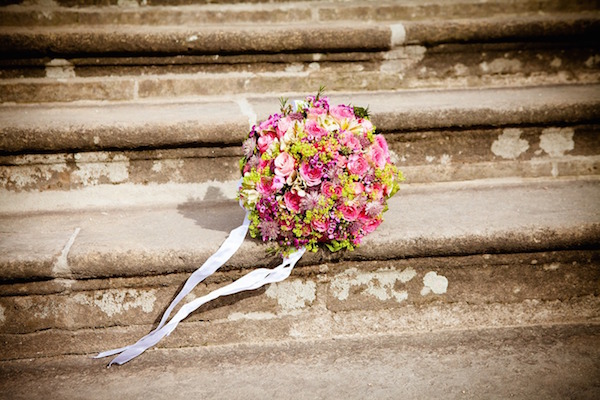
(506, 216)
(294, 11)
(321, 36)
(540, 362)
(202, 121)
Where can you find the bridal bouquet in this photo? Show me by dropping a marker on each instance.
(316, 174)
(313, 175)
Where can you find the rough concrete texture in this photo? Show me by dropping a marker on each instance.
(426, 156)
(442, 66)
(324, 292)
(154, 13)
(155, 125)
(130, 125)
(551, 362)
(217, 39)
(177, 235)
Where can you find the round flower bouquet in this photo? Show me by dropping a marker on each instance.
(312, 175)
(316, 174)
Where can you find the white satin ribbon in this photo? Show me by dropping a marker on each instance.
(250, 281)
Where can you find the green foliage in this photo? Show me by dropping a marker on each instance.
(361, 112)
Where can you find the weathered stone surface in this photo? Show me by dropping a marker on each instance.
(423, 221)
(124, 126)
(253, 329)
(326, 288)
(551, 362)
(443, 66)
(503, 29)
(138, 12)
(68, 41)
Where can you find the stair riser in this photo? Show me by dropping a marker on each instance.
(444, 66)
(345, 292)
(428, 156)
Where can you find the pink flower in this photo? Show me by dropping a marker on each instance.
(327, 189)
(269, 185)
(371, 225)
(314, 130)
(350, 141)
(358, 188)
(320, 226)
(265, 141)
(367, 125)
(380, 140)
(350, 213)
(314, 112)
(312, 176)
(283, 125)
(284, 164)
(377, 156)
(357, 165)
(292, 201)
(341, 112)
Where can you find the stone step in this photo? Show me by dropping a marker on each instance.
(60, 13)
(64, 64)
(540, 362)
(446, 257)
(437, 135)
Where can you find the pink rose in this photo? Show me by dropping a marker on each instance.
(371, 225)
(314, 112)
(380, 140)
(377, 156)
(319, 226)
(327, 189)
(350, 141)
(283, 125)
(350, 213)
(269, 185)
(341, 112)
(338, 190)
(358, 188)
(367, 125)
(357, 165)
(284, 164)
(265, 141)
(292, 201)
(312, 176)
(314, 130)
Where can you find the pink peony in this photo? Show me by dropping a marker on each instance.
(312, 176)
(341, 112)
(284, 164)
(292, 201)
(357, 165)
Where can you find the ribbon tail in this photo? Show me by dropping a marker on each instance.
(253, 280)
(214, 262)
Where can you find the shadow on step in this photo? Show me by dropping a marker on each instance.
(214, 212)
